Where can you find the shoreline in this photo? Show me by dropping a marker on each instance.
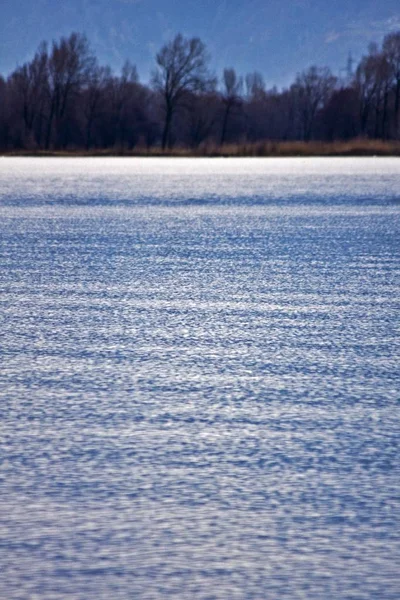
(351, 148)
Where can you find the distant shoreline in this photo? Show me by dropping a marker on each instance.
(357, 147)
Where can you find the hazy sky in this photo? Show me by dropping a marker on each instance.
(276, 37)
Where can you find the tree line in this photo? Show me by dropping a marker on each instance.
(63, 99)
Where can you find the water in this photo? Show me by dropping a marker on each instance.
(199, 379)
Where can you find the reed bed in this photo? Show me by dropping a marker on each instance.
(355, 147)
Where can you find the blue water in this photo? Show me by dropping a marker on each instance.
(199, 379)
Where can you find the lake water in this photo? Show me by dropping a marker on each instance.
(199, 379)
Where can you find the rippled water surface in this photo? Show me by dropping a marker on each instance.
(199, 379)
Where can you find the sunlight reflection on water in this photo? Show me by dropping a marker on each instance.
(199, 378)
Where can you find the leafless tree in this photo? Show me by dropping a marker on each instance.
(94, 91)
(391, 50)
(4, 114)
(312, 89)
(202, 117)
(182, 68)
(64, 98)
(372, 84)
(121, 90)
(69, 67)
(383, 81)
(29, 87)
(231, 97)
(255, 86)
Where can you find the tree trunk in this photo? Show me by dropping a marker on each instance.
(49, 127)
(225, 123)
(397, 110)
(167, 127)
(88, 133)
(384, 115)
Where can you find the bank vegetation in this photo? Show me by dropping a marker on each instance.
(64, 102)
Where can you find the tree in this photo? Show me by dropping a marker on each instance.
(29, 86)
(4, 114)
(383, 80)
(372, 82)
(391, 50)
(339, 118)
(69, 67)
(312, 89)
(255, 86)
(182, 68)
(92, 95)
(202, 114)
(63, 98)
(231, 97)
(121, 90)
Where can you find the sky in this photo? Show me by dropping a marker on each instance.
(278, 38)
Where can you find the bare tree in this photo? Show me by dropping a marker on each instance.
(121, 90)
(312, 89)
(182, 67)
(70, 64)
(372, 83)
(255, 86)
(93, 93)
(4, 114)
(202, 115)
(231, 97)
(383, 79)
(339, 118)
(391, 50)
(29, 85)
(63, 98)
(365, 85)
